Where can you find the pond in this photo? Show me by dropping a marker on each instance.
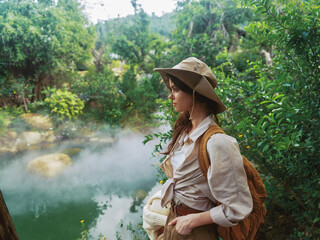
(105, 187)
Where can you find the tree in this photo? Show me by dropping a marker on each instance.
(131, 39)
(42, 42)
(133, 42)
(205, 28)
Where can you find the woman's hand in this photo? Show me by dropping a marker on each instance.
(184, 224)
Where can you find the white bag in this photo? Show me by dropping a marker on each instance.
(154, 216)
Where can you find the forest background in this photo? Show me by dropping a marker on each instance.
(265, 54)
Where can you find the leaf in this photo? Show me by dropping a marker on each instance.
(278, 96)
(278, 110)
(264, 125)
(257, 130)
(260, 122)
(265, 148)
(316, 220)
(273, 105)
(263, 102)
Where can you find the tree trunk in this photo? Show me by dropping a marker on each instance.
(7, 229)
(98, 58)
(38, 89)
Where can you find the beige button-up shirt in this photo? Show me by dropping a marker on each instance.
(227, 181)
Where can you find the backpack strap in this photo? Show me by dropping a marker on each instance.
(204, 161)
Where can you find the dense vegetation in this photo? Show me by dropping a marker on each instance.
(265, 53)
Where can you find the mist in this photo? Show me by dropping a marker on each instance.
(120, 169)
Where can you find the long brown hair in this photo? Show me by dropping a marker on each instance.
(183, 123)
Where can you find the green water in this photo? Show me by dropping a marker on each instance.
(103, 186)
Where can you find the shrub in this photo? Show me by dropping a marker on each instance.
(275, 110)
(118, 101)
(282, 112)
(64, 104)
(103, 100)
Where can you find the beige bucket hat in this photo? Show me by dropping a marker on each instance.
(196, 75)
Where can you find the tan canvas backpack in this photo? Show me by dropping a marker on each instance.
(248, 228)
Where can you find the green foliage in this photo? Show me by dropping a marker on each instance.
(39, 107)
(4, 121)
(275, 110)
(129, 84)
(41, 40)
(140, 98)
(86, 235)
(122, 102)
(101, 95)
(145, 96)
(205, 28)
(132, 41)
(9, 119)
(64, 104)
(166, 116)
(19, 125)
(240, 59)
(37, 35)
(135, 231)
(14, 111)
(162, 25)
(277, 132)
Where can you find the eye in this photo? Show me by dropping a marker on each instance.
(174, 89)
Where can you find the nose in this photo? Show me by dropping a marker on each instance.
(170, 96)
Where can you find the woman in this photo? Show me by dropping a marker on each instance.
(195, 208)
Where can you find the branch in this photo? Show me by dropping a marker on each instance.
(272, 15)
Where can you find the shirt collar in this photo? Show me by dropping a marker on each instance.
(204, 125)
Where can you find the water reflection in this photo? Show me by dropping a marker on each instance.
(100, 187)
(119, 212)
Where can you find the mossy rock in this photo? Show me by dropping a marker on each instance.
(49, 165)
(37, 121)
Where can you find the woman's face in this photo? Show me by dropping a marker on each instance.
(181, 101)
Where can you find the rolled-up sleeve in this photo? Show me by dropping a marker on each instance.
(227, 181)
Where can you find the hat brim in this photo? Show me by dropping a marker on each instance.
(195, 81)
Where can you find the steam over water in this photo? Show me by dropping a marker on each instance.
(101, 187)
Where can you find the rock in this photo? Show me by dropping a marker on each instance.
(2, 140)
(48, 137)
(37, 121)
(49, 165)
(5, 149)
(29, 138)
(7, 145)
(12, 134)
(21, 147)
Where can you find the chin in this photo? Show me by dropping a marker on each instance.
(179, 110)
